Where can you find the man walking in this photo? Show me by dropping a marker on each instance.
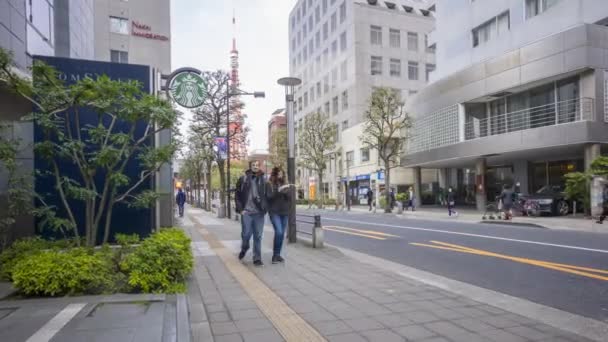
(370, 199)
(180, 199)
(251, 203)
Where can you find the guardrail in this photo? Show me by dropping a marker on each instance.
(556, 113)
(317, 229)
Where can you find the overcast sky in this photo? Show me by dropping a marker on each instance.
(202, 38)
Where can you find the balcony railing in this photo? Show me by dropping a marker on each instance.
(547, 115)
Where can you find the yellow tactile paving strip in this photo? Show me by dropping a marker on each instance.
(287, 322)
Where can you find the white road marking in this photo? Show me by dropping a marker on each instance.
(53, 326)
(470, 234)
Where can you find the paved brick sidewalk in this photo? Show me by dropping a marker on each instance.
(340, 298)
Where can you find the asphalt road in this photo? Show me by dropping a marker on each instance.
(566, 270)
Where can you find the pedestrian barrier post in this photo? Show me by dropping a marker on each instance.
(317, 233)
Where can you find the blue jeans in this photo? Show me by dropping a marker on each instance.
(279, 223)
(253, 224)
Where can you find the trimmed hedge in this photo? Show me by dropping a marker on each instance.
(25, 248)
(160, 264)
(59, 273)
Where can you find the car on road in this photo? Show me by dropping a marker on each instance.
(550, 200)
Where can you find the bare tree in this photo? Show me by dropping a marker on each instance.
(385, 130)
(316, 138)
(210, 120)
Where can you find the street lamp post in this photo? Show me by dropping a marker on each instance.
(289, 83)
(229, 94)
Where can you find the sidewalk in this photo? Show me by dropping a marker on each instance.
(112, 318)
(324, 295)
(577, 223)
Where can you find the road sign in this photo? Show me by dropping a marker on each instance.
(188, 88)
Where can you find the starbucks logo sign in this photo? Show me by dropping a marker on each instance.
(188, 89)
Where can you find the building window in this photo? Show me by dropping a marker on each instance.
(364, 155)
(312, 94)
(395, 38)
(375, 35)
(319, 89)
(395, 67)
(326, 84)
(491, 29)
(412, 70)
(334, 105)
(318, 39)
(119, 25)
(324, 7)
(412, 41)
(119, 56)
(334, 78)
(344, 125)
(334, 49)
(536, 7)
(304, 31)
(325, 57)
(317, 14)
(299, 104)
(343, 71)
(429, 69)
(334, 22)
(343, 41)
(325, 31)
(305, 99)
(345, 100)
(350, 158)
(429, 49)
(412, 92)
(327, 107)
(376, 66)
(342, 12)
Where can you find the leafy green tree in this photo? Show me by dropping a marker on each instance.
(278, 147)
(578, 183)
(316, 139)
(100, 152)
(385, 130)
(19, 192)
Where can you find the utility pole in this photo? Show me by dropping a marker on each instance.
(290, 83)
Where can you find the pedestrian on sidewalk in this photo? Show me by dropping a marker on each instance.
(507, 197)
(411, 203)
(180, 199)
(278, 210)
(604, 205)
(451, 202)
(251, 202)
(370, 199)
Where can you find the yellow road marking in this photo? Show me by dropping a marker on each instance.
(372, 232)
(357, 234)
(578, 270)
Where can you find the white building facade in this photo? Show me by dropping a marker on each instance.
(518, 97)
(134, 32)
(342, 49)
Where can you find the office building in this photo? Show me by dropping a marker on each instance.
(342, 49)
(134, 32)
(74, 29)
(519, 95)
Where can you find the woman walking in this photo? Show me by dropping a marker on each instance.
(278, 210)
